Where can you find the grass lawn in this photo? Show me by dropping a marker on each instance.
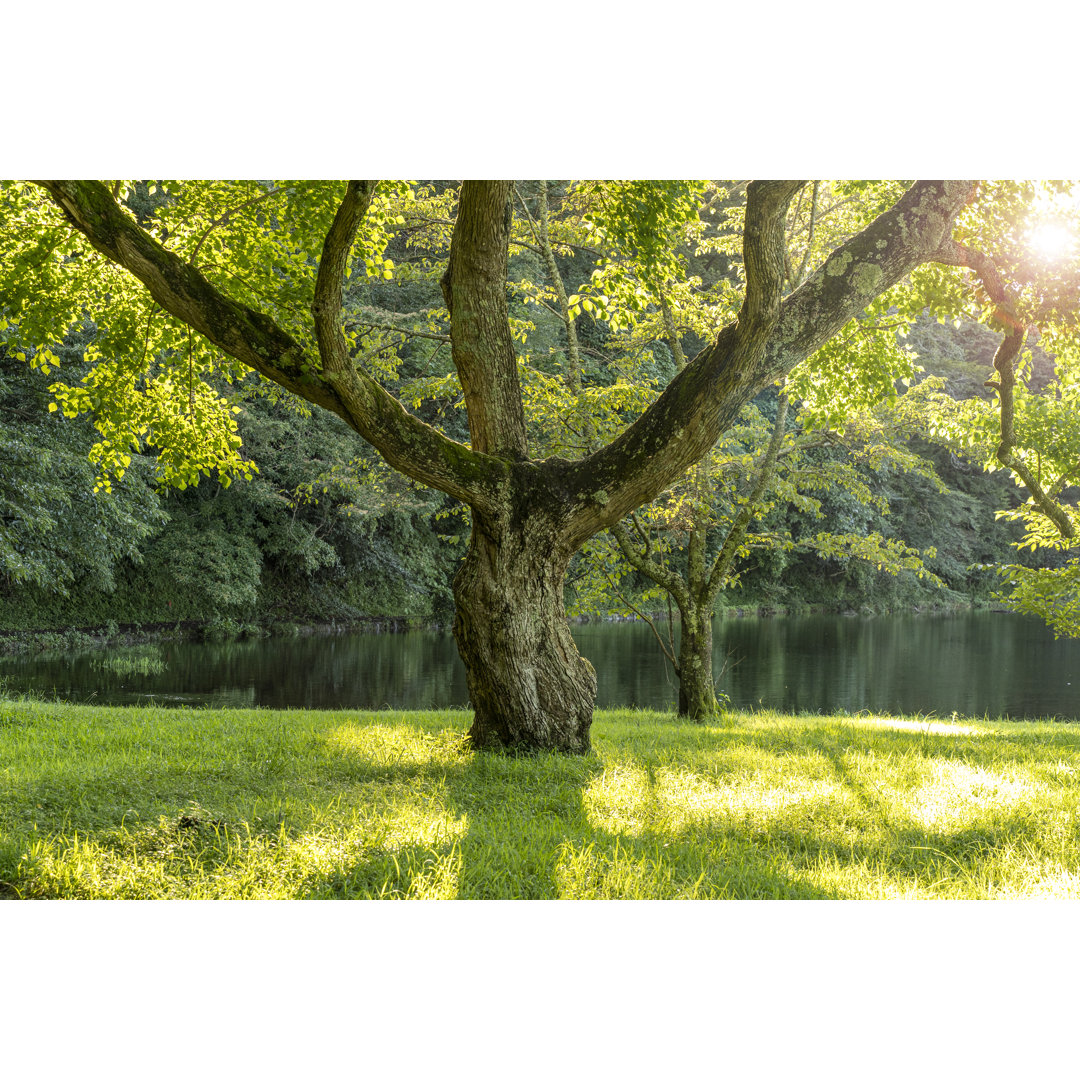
(146, 802)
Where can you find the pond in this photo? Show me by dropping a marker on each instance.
(973, 663)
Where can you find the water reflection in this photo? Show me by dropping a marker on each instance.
(975, 663)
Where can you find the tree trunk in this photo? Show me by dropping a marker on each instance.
(697, 693)
(529, 686)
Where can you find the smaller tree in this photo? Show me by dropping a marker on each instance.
(693, 543)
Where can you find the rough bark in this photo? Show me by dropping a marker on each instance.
(407, 443)
(697, 691)
(769, 338)
(529, 687)
(474, 287)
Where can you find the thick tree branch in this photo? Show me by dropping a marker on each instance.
(330, 281)
(764, 255)
(704, 399)
(253, 338)
(474, 287)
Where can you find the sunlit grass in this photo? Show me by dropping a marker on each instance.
(146, 802)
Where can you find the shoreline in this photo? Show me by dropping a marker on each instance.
(112, 635)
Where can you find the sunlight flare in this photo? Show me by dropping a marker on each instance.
(1051, 241)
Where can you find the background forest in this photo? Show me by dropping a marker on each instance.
(324, 531)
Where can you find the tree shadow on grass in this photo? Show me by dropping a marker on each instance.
(532, 827)
(527, 831)
(962, 849)
(433, 819)
(544, 826)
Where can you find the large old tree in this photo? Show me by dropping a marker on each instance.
(528, 685)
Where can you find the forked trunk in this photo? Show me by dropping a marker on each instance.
(529, 686)
(697, 692)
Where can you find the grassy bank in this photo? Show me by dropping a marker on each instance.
(149, 802)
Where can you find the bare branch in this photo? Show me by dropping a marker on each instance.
(667, 579)
(669, 653)
(399, 330)
(765, 471)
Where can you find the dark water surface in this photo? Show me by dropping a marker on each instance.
(973, 663)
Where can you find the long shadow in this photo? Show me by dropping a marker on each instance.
(528, 834)
(525, 827)
(929, 857)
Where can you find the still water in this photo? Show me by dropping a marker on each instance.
(973, 663)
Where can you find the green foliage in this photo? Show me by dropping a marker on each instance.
(1051, 594)
(866, 366)
(151, 382)
(55, 530)
(1047, 430)
(858, 369)
(322, 531)
(326, 530)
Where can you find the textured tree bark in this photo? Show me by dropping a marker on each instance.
(697, 691)
(529, 687)
(474, 287)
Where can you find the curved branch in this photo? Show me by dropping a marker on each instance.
(330, 281)
(253, 338)
(1005, 363)
(667, 579)
(223, 218)
(704, 399)
(952, 253)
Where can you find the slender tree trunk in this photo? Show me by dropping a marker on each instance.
(529, 686)
(697, 693)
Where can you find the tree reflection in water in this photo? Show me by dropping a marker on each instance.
(973, 663)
